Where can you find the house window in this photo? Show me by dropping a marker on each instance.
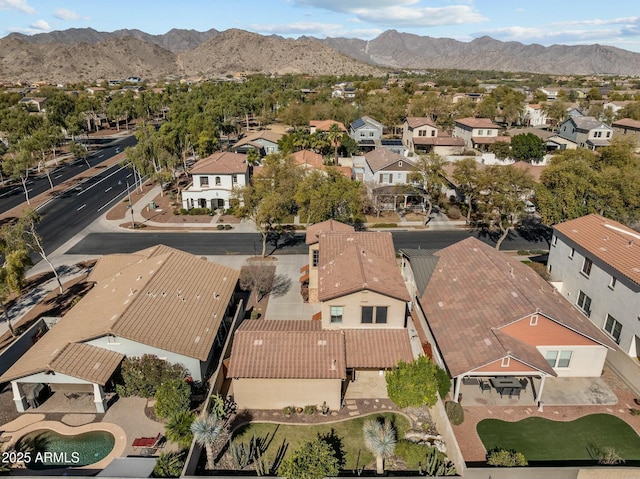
(234, 178)
(506, 361)
(367, 314)
(608, 134)
(218, 181)
(336, 314)
(377, 312)
(381, 314)
(613, 327)
(316, 258)
(586, 267)
(480, 132)
(612, 283)
(533, 321)
(371, 134)
(400, 164)
(386, 177)
(204, 181)
(558, 359)
(573, 251)
(422, 133)
(433, 132)
(584, 303)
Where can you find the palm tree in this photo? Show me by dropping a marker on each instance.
(334, 135)
(206, 430)
(178, 428)
(380, 438)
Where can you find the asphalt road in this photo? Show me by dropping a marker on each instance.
(13, 195)
(207, 244)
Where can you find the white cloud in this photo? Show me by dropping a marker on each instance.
(19, 5)
(598, 21)
(298, 28)
(401, 13)
(40, 25)
(65, 14)
(544, 36)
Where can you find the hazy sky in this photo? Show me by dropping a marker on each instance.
(542, 21)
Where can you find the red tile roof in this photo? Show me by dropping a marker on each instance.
(287, 354)
(377, 348)
(605, 239)
(418, 121)
(324, 125)
(627, 123)
(221, 163)
(440, 140)
(314, 231)
(475, 290)
(477, 123)
(308, 158)
(351, 262)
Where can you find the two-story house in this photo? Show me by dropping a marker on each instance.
(263, 141)
(477, 132)
(586, 132)
(420, 134)
(534, 115)
(342, 353)
(213, 180)
(384, 167)
(629, 128)
(325, 125)
(595, 263)
(366, 130)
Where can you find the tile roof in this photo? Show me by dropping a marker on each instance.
(314, 231)
(423, 262)
(418, 121)
(476, 290)
(308, 158)
(280, 325)
(111, 264)
(609, 241)
(440, 140)
(87, 362)
(170, 299)
(477, 123)
(324, 125)
(382, 157)
(282, 354)
(224, 162)
(267, 135)
(588, 123)
(351, 262)
(377, 348)
(627, 123)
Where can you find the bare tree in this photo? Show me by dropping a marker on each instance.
(260, 276)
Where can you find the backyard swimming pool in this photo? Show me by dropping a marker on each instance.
(44, 448)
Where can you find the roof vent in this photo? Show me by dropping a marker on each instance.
(334, 362)
(322, 342)
(258, 342)
(197, 340)
(139, 278)
(630, 243)
(441, 304)
(487, 341)
(514, 294)
(97, 365)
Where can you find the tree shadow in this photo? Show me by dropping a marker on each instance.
(533, 230)
(335, 443)
(281, 285)
(284, 239)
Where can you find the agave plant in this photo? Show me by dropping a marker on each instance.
(380, 439)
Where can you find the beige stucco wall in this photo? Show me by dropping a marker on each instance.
(280, 393)
(586, 361)
(351, 316)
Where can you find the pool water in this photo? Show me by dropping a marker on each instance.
(49, 449)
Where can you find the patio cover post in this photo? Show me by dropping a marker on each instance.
(539, 396)
(98, 398)
(18, 397)
(457, 388)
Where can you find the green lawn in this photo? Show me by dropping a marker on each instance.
(350, 432)
(544, 440)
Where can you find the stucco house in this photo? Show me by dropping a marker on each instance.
(344, 350)
(534, 115)
(310, 160)
(325, 125)
(158, 301)
(510, 323)
(420, 134)
(477, 132)
(213, 180)
(263, 141)
(586, 132)
(594, 262)
(629, 128)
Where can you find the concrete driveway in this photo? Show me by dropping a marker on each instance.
(290, 305)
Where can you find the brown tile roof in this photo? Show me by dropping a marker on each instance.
(87, 362)
(377, 348)
(280, 325)
(223, 162)
(440, 140)
(477, 123)
(308, 158)
(267, 135)
(351, 262)
(474, 290)
(490, 140)
(418, 121)
(171, 300)
(605, 239)
(314, 231)
(111, 264)
(324, 125)
(281, 354)
(627, 123)
(383, 157)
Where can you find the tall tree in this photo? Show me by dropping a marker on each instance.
(505, 189)
(429, 170)
(380, 439)
(527, 147)
(17, 165)
(12, 275)
(80, 151)
(467, 175)
(334, 135)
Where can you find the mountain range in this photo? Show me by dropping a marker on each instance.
(85, 55)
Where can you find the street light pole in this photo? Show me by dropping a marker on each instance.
(133, 224)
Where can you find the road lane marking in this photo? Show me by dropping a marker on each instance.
(111, 187)
(98, 182)
(9, 192)
(56, 177)
(100, 156)
(81, 207)
(128, 175)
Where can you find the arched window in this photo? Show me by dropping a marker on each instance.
(217, 180)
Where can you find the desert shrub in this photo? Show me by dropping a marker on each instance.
(506, 458)
(220, 227)
(444, 382)
(384, 225)
(169, 464)
(453, 212)
(227, 227)
(414, 384)
(411, 453)
(455, 413)
(171, 397)
(199, 211)
(288, 410)
(178, 428)
(311, 409)
(634, 411)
